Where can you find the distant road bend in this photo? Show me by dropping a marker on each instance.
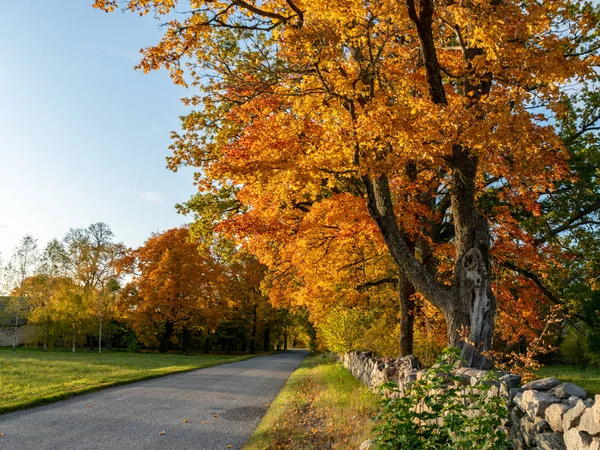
(203, 409)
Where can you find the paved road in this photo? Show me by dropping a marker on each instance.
(230, 399)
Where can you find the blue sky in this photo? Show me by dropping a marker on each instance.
(83, 136)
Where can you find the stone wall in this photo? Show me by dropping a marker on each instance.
(544, 414)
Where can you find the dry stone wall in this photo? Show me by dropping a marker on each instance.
(544, 414)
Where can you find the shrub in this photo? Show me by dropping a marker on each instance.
(574, 347)
(381, 337)
(439, 412)
(428, 347)
(343, 329)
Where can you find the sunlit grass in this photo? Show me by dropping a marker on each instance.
(32, 377)
(588, 378)
(321, 406)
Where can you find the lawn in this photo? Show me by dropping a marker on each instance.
(320, 406)
(589, 378)
(32, 377)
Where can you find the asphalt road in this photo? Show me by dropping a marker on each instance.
(209, 408)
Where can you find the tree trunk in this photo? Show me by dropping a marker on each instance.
(470, 304)
(73, 339)
(285, 338)
(185, 339)
(267, 340)
(16, 331)
(165, 342)
(407, 315)
(253, 332)
(46, 334)
(207, 344)
(474, 307)
(100, 336)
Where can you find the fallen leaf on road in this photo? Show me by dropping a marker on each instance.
(185, 420)
(187, 396)
(162, 433)
(230, 446)
(1, 434)
(90, 405)
(214, 416)
(203, 423)
(267, 405)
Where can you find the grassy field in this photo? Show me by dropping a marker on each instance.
(32, 377)
(589, 378)
(321, 406)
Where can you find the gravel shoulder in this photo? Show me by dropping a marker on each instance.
(213, 408)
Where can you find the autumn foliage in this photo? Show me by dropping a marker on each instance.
(363, 141)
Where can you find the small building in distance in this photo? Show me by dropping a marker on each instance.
(26, 333)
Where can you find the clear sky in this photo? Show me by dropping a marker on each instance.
(83, 136)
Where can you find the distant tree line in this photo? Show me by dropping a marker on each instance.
(172, 293)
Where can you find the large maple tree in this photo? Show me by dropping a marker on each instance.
(418, 106)
(173, 289)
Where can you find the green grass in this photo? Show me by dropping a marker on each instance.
(589, 378)
(320, 406)
(32, 377)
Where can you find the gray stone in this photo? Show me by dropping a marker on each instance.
(577, 440)
(515, 415)
(410, 362)
(550, 441)
(572, 416)
(544, 384)
(410, 377)
(589, 423)
(534, 403)
(573, 400)
(514, 391)
(567, 390)
(476, 373)
(596, 407)
(516, 438)
(512, 380)
(531, 428)
(366, 445)
(554, 416)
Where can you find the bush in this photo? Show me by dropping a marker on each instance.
(574, 347)
(438, 412)
(381, 337)
(427, 346)
(343, 329)
(581, 346)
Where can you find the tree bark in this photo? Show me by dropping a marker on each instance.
(46, 334)
(470, 304)
(267, 340)
(100, 336)
(166, 337)
(253, 332)
(16, 331)
(407, 315)
(475, 304)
